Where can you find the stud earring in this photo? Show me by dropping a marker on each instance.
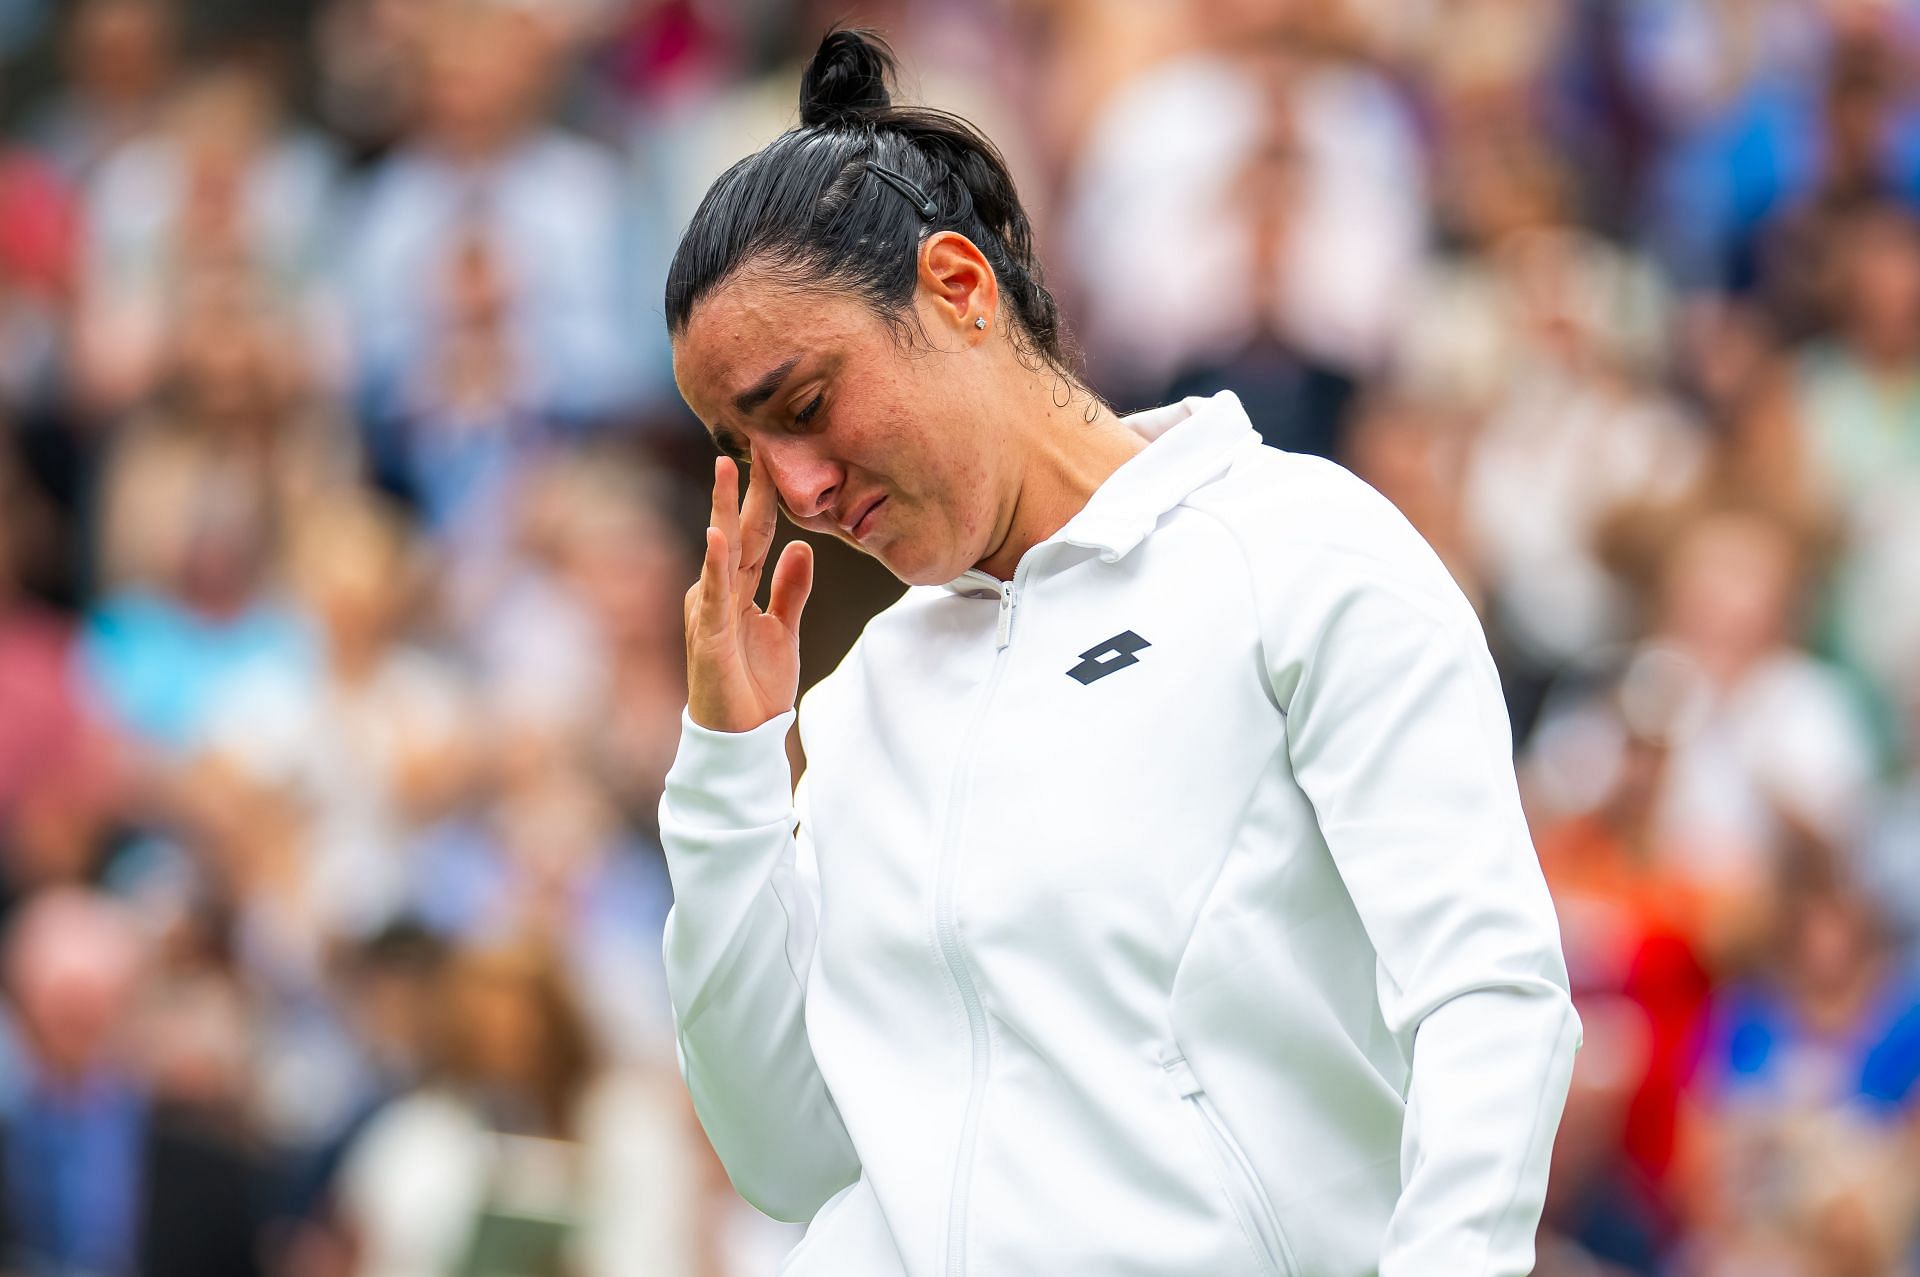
(980, 321)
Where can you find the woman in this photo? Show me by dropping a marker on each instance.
(1140, 840)
(520, 1154)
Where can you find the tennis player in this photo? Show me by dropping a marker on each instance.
(1156, 901)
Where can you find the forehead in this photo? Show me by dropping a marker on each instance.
(748, 326)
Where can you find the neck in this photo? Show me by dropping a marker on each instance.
(1069, 451)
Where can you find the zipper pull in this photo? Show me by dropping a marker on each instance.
(1006, 618)
(1180, 1073)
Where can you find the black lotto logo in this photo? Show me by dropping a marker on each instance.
(1103, 659)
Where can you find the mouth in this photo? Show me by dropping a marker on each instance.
(859, 528)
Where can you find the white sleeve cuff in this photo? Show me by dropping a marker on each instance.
(731, 780)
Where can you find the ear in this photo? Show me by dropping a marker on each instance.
(958, 285)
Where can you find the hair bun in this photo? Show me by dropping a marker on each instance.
(846, 79)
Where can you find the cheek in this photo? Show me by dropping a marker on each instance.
(952, 484)
(949, 482)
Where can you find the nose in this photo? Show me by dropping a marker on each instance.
(808, 484)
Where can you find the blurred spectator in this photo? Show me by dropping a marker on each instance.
(1636, 927)
(1301, 402)
(159, 648)
(1800, 1164)
(1809, 103)
(305, 791)
(520, 1154)
(621, 554)
(220, 185)
(236, 393)
(196, 500)
(565, 615)
(386, 986)
(488, 271)
(1840, 436)
(1736, 792)
(100, 1177)
(546, 862)
(120, 58)
(1644, 940)
(1165, 241)
(368, 752)
(1543, 338)
(388, 983)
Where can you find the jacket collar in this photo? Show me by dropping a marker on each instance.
(1189, 443)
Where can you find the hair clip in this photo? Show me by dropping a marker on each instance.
(906, 187)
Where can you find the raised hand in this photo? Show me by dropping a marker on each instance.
(743, 664)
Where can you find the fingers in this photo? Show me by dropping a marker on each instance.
(712, 611)
(723, 486)
(758, 519)
(726, 510)
(792, 583)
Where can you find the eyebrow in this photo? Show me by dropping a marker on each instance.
(750, 399)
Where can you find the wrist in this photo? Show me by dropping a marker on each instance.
(729, 719)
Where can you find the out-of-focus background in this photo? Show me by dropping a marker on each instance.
(346, 507)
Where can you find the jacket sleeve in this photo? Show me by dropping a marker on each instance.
(1399, 737)
(739, 939)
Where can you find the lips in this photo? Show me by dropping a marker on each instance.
(863, 522)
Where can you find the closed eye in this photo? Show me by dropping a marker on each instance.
(808, 413)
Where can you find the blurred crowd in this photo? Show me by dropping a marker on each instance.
(346, 507)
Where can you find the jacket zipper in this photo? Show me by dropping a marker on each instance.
(1250, 1202)
(947, 928)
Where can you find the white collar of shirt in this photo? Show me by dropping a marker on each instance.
(1188, 444)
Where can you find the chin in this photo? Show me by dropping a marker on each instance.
(916, 573)
(911, 574)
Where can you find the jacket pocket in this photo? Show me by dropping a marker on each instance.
(1251, 1205)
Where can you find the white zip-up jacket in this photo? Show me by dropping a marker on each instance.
(1166, 911)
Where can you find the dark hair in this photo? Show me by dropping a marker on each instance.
(564, 1056)
(844, 200)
